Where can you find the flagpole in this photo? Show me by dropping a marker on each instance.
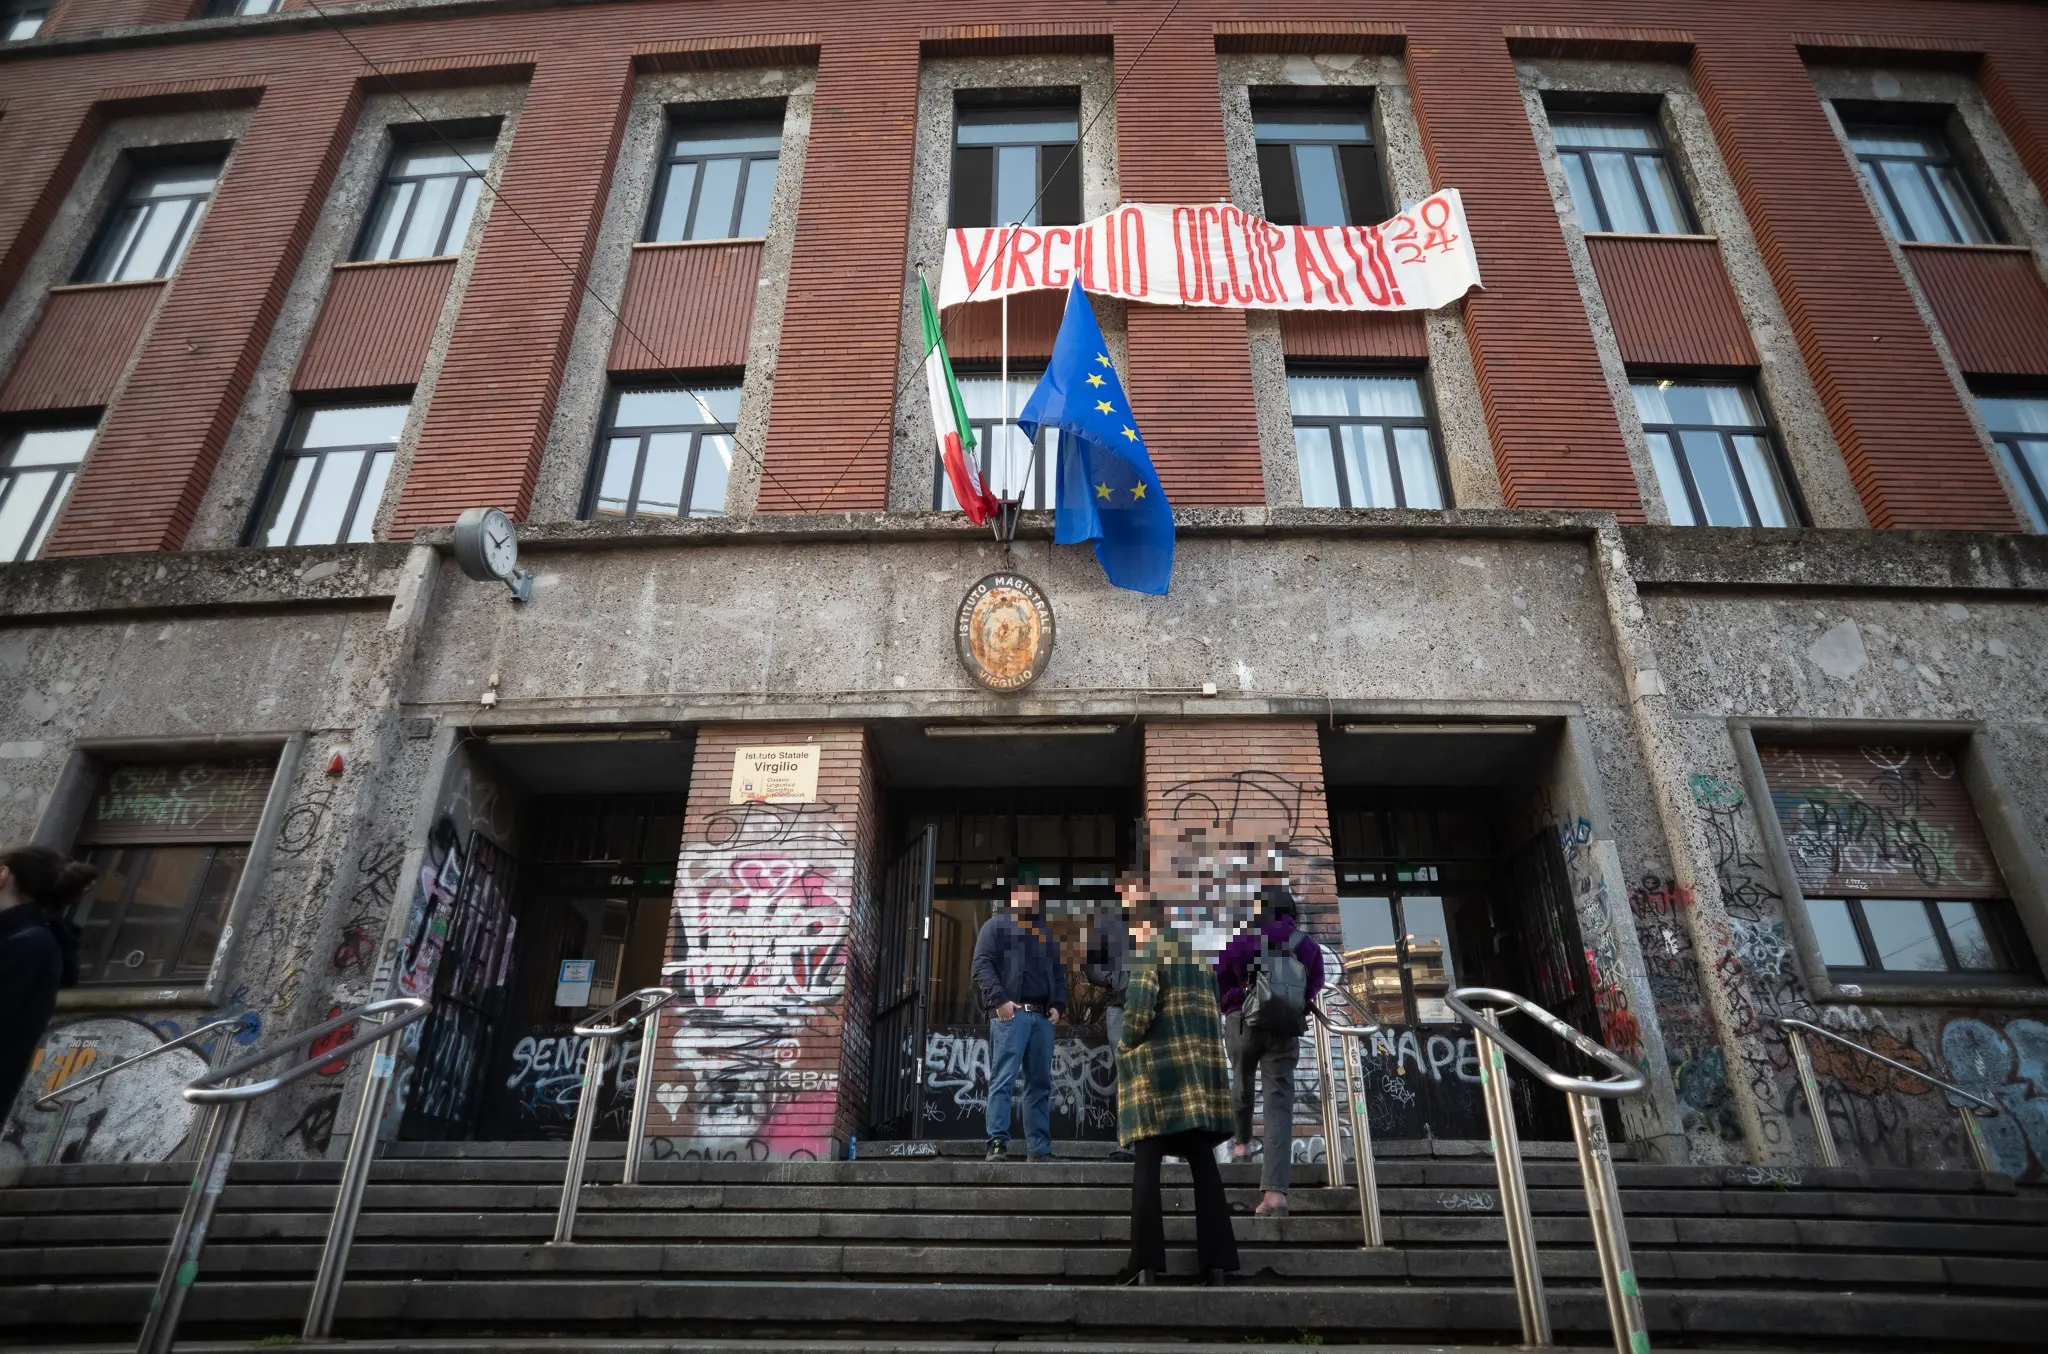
(1004, 378)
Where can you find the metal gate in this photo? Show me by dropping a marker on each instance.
(1555, 950)
(469, 990)
(902, 979)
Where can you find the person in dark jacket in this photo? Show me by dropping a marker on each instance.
(38, 951)
(1024, 990)
(1109, 949)
(1264, 1053)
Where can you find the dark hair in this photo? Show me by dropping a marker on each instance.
(1277, 900)
(47, 877)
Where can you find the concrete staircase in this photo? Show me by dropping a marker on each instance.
(871, 1254)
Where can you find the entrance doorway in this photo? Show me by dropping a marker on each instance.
(1079, 839)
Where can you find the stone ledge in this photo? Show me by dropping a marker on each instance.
(1816, 560)
(204, 580)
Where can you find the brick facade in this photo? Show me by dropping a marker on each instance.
(771, 952)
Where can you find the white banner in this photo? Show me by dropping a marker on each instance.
(1217, 255)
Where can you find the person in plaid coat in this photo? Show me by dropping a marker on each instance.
(1173, 1098)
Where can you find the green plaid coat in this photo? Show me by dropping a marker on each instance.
(1171, 1076)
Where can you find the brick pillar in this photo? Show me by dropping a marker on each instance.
(1244, 780)
(157, 447)
(1250, 781)
(1190, 377)
(495, 398)
(2015, 84)
(1911, 449)
(45, 141)
(1548, 410)
(771, 951)
(831, 424)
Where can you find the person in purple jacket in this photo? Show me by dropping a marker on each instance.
(1268, 1053)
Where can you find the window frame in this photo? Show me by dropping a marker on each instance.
(608, 429)
(706, 121)
(1272, 103)
(138, 167)
(1890, 210)
(1046, 475)
(174, 975)
(992, 108)
(1997, 926)
(291, 447)
(2033, 488)
(1663, 150)
(1768, 429)
(404, 141)
(11, 435)
(2008, 835)
(1428, 421)
(19, 13)
(232, 9)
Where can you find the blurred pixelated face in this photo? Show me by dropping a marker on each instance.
(1024, 899)
(1215, 884)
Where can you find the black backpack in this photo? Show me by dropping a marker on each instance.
(1278, 1001)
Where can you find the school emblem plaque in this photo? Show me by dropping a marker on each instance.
(1004, 632)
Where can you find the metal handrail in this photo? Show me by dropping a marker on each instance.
(600, 1035)
(227, 1105)
(66, 1097)
(1824, 1133)
(1350, 1043)
(1596, 1162)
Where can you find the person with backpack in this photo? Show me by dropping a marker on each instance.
(1267, 979)
(38, 951)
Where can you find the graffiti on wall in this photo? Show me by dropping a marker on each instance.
(2010, 1067)
(138, 1115)
(758, 957)
(956, 1075)
(1886, 819)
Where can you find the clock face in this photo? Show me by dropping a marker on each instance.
(501, 546)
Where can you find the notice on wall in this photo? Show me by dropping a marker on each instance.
(784, 775)
(572, 986)
(1215, 254)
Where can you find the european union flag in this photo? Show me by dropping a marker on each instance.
(1108, 492)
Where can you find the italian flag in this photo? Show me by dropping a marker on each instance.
(949, 418)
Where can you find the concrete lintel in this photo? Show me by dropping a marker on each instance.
(655, 709)
(1812, 559)
(204, 580)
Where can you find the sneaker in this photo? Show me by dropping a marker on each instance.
(998, 1150)
(1043, 1156)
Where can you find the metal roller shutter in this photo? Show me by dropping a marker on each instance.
(1879, 822)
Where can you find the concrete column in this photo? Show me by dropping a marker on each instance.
(764, 1054)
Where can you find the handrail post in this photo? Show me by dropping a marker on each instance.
(643, 1095)
(1823, 1132)
(1333, 1149)
(188, 1239)
(1353, 1049)
(1980, 1152)
(348, 1198)
(579, 1141)
(1610, 1233)
(1514, 1189)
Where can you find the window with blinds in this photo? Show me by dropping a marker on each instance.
(1899, 880)
(171, 840)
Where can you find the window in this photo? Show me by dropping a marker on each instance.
(154, 223)
(1317, 166)
(1620, 173)
(19, 25)
(230, 9)
(1716, 463)
(1016, 166)
(1000, 447)
(1919, 186)
(1899, 879)
(170, 840)
(666, 454)
(329, 476)
(717, 182)
(1364, 442)
(37, 466)
(426, 201)
(2019, 429)
(1413, 872)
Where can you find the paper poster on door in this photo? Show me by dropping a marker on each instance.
(784, 775)
(572, 988)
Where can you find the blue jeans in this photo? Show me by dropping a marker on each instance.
(1024, 1041)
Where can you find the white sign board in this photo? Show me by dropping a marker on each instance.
(785, 775)
(572, 988)
(1215, 254)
